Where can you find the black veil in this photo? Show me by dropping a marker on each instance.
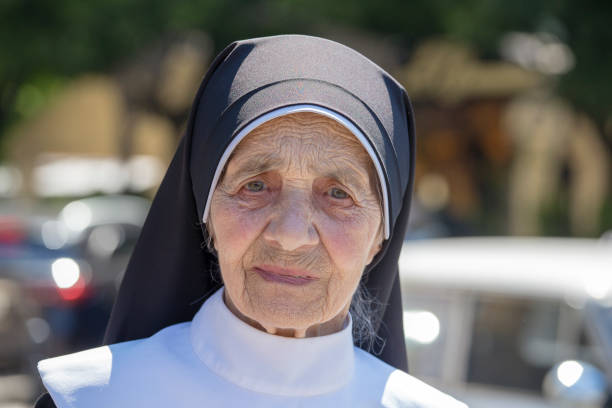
(169, 274)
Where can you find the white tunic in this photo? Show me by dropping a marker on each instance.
(217, 360)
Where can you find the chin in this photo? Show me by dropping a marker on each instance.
(285, 308)
(286, 317)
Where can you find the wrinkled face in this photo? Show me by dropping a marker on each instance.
(295, 219)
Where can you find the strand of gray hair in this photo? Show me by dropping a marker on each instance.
(364, 312)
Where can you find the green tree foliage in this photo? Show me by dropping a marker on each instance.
(44, 41)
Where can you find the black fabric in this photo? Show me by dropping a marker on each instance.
(169, 274)
(44, 401)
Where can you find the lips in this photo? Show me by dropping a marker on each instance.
(294, 277)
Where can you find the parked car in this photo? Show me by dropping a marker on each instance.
(59, 276)
(510, 322)
(104, 229)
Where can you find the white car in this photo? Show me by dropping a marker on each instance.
(505, 322)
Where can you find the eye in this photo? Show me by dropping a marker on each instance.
(337, 193)
(255, 186)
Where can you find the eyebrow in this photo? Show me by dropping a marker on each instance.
(255, 165)
(350, 178)
(258, 165)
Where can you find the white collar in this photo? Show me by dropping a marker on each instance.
(267, 363)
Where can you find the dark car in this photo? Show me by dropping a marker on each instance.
(59, 277)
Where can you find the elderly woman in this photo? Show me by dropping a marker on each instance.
(270, 249)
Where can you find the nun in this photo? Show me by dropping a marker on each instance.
(266, 274)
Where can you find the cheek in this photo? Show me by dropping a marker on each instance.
(348, 243)
(235, 229)
(233, 224)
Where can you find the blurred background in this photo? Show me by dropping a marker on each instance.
(507, 268)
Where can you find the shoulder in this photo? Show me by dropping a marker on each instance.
(63, 376)
(397, 389)
(74, 379)
(404, 390)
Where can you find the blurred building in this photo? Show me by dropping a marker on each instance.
(498, 151)
(111, 133)
(497, 147)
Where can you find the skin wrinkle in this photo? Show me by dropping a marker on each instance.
(309, 261)
(310, 148)
(298, 157)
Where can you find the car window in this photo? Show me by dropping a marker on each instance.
(513, 342)
(516, 341)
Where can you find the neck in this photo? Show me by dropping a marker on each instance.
(333, 325)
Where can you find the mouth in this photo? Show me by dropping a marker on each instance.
(287, 276)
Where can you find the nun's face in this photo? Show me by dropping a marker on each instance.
(295, 219)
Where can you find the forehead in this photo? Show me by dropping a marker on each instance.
(304, 140)
(310, 129)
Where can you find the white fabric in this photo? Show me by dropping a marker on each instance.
(219, 361)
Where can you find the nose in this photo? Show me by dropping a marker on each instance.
(291, 225)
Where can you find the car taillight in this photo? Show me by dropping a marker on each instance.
(11, 231)
(74, 292)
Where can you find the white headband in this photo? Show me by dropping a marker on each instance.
(304, 108)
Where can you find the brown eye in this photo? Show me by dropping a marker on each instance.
(255, 186)
(338, 193)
